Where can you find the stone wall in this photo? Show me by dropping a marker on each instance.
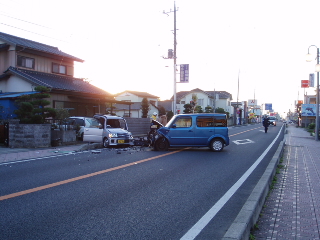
(29, 135)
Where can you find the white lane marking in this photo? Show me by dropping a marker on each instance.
(244, 141)
(200, 225)
(39, 158)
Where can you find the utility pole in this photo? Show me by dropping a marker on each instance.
(174, 59)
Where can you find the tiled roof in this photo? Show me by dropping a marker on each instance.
(25, 43)
(14, 95)
(167, 104)
(222, 94)
(139, 94)
(56, 82)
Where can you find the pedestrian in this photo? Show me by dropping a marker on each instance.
(154, 116)
(266, 123)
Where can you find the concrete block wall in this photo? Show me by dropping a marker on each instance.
(66, 136)
(29, 135)
(138, 126)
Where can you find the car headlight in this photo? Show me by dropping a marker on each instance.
(111, 135)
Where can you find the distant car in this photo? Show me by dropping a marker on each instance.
(272, 120)
(109, 130)
(194, 130)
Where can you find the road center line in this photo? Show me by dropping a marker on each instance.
(200, 225)
(83, 177)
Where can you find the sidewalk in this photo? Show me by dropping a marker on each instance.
(292, 211)
(16, 154)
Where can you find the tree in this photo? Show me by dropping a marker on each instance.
(208, 109)
(221, 110)
(162, 111)
(169, 115)
(187, 108)
(32, 107)
(145, 107)
(198, 109)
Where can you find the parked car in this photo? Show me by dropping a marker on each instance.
(109, 130)
(194, 130)
(79, 123)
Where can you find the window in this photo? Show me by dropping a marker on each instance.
(220, 122)
(57, 68)
(25, 62)
(183, 122)
(200, 102)
(183, 102)
(205, 122)
(211, 121)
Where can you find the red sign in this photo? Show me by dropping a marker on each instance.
(304, 83)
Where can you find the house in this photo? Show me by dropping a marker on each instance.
(135, 98)
(25, 64)
(213, 99)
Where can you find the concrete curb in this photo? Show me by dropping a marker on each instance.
(89, 146)
(249, 214)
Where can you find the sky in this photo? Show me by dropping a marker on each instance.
(252, 49)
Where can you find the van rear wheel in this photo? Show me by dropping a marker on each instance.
(216, 145)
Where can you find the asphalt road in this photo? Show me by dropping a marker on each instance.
(179, 194)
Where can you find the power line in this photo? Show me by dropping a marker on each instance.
(25, 21)
(33, 32)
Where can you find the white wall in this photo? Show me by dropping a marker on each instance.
(15, 84)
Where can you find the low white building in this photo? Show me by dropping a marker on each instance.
(213, 99)
(135, 98)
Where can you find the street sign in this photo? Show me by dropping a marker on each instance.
(268, 106)
(252, 102)
(236, 104)
(184, 73)
(304, 83)
(311, 79)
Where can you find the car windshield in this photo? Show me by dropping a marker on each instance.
(116, 123)
(272, 118)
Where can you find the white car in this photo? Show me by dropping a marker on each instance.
(110, 130)
(79, 123)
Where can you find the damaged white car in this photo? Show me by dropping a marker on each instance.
(110, 130)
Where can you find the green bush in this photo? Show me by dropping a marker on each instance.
(311, 125)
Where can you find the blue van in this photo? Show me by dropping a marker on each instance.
(194, 130)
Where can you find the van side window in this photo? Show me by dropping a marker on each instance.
(183, 122)
(205, 122)
(216, 121)
(220, 122)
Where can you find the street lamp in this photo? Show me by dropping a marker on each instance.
(317, 69)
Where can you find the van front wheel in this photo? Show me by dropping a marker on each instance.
(161, 145)
(216, 145)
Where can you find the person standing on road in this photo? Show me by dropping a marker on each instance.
(266, 123)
